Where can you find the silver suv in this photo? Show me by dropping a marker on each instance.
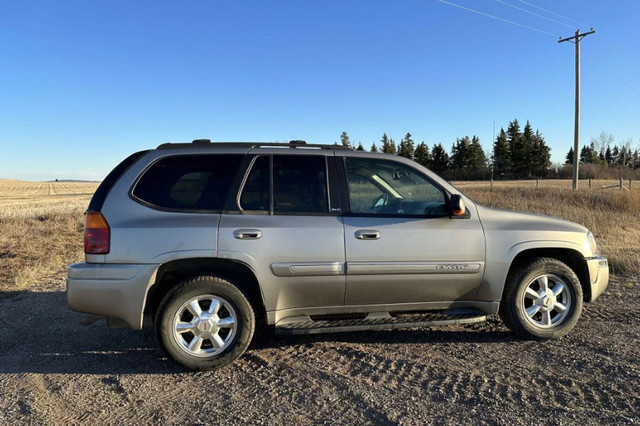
(204, 240)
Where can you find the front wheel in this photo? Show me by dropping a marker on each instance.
(205, 323)
(542, 300)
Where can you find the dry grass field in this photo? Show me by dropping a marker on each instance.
(613, 215)
(40, 229)
(53, 370)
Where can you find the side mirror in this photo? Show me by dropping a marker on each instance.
(457, 205)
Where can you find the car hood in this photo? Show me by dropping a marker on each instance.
(499, 219)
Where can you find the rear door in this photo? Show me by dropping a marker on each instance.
(285, 224)
(401, 244)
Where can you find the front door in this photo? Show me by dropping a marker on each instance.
(401, 244)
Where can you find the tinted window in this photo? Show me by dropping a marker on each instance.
(188, 182)
(256, 191)
(391, 188)
(299, 185)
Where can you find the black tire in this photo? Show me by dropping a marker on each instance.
(518, 303)
(175, 310)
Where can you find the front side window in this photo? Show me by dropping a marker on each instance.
(384, 187)
(188, 182)
(299, 185)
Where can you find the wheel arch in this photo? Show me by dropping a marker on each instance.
(171, 273)
(572, 258)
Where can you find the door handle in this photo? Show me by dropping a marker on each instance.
(367, 234)
(247, 234)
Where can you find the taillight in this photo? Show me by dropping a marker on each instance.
(96, 233)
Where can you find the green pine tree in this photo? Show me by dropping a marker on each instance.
(635, 159)
(585, 154)
(406, 148)
(568, 159)
(477, 160)
(519, 166)
(608, 157)
(422, 155)
(540, 156)
(526, 152)
(501, 159)
(440, 161)
(344, 139)
(460, 155)
(625, 154)
(615, 155)
(388, 146)
(374, 148)
(588, 154)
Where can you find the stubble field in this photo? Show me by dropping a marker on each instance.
(53, 370)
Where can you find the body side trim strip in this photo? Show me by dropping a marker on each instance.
(307, 269)
(394, 268)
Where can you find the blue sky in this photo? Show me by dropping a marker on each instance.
(85, 83)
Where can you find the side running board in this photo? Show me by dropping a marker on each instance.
(379, 321)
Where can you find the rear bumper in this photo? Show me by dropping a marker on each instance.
(112, 290)
(598, 275)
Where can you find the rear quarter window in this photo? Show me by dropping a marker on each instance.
(188, 182)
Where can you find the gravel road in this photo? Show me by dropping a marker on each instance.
(53, 370)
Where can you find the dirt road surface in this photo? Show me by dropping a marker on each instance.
(53, 370)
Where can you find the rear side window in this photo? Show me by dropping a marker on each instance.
(256, 193)
(188, 182)
(299, 185)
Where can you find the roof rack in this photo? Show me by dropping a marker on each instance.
(208, 143)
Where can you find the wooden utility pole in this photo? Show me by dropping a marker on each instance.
(576, 131)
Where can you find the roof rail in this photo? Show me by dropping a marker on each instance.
(208, 143)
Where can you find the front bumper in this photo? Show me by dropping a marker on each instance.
(598, 276)
(112, 290)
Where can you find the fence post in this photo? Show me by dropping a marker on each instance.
(537, 182)
(621, 186)
(629, 184)
(589, 183)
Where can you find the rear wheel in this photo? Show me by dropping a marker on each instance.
(542, 300)
(205, 323)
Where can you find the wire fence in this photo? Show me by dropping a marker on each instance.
(593, 184)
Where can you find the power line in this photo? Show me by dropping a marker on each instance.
(553, 13)
(496, 17)
(533, 13)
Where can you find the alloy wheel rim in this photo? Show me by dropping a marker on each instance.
(546, 301)
(205, 325)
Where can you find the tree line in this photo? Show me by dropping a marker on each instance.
(516, 154)
(603, 152)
